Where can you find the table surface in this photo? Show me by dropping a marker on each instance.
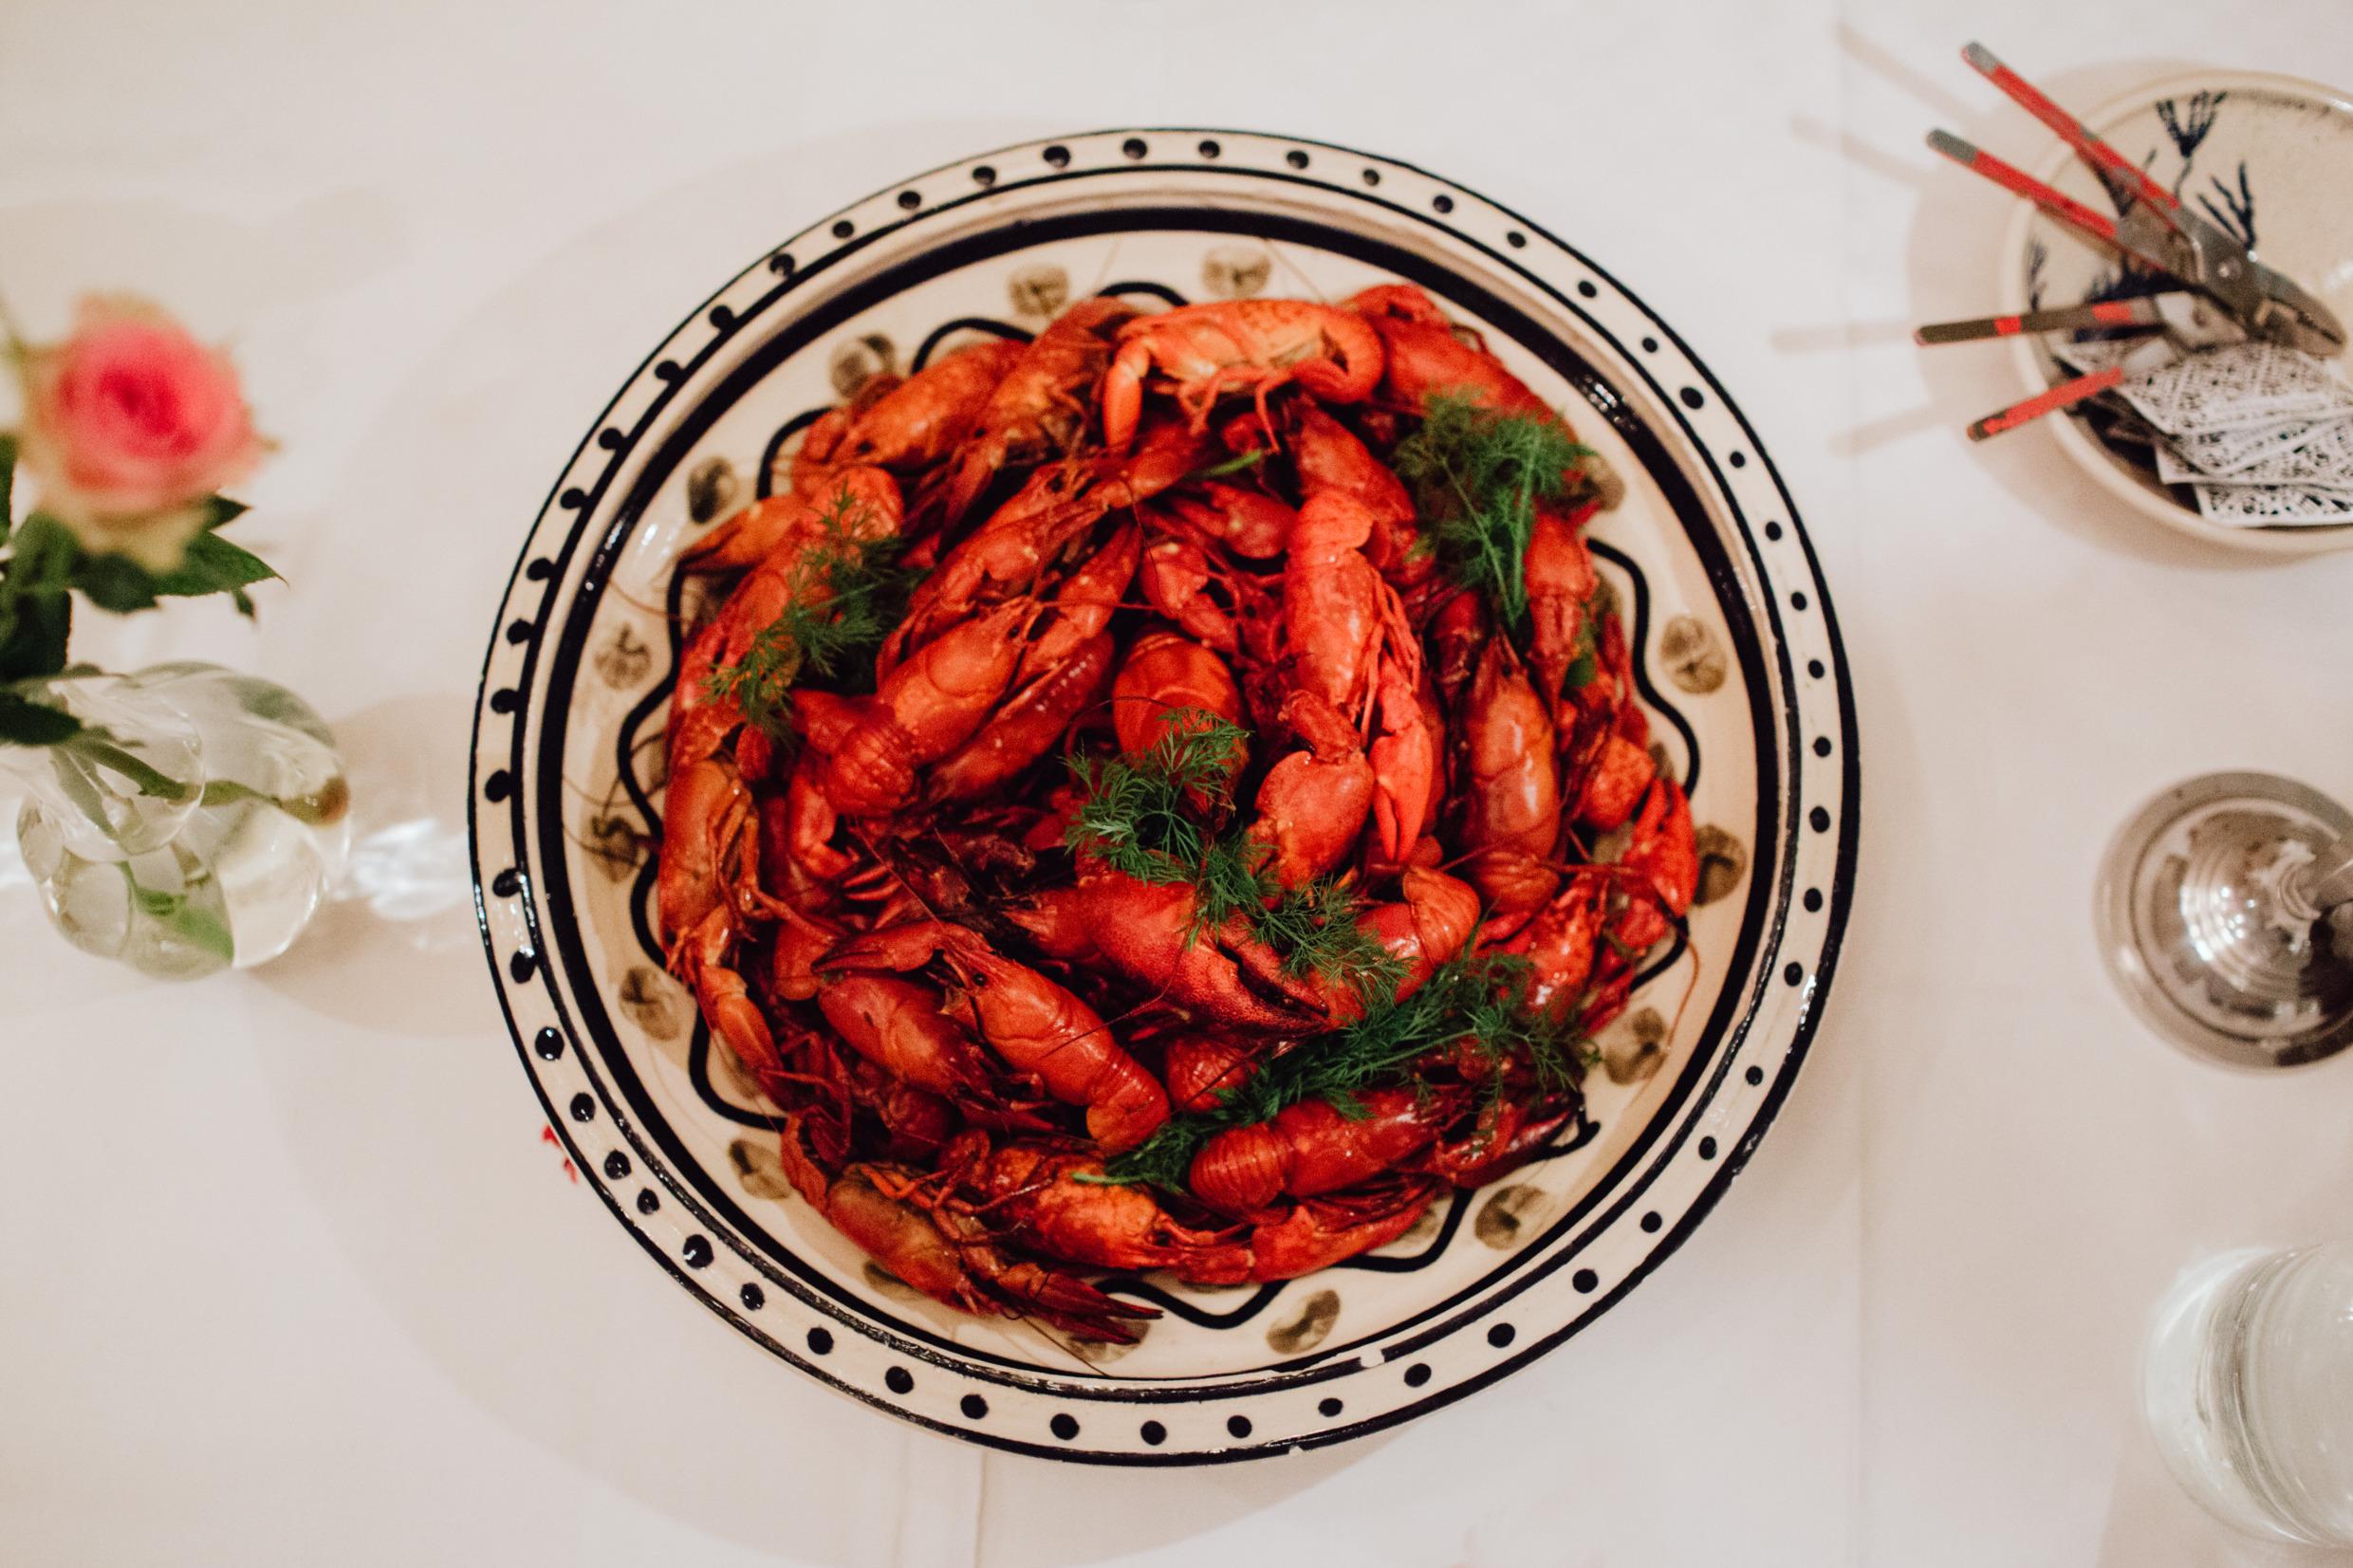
(292, 1277)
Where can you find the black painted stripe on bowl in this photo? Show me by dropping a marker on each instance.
(939, 334)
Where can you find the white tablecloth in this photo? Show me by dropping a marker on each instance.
(290, 1277)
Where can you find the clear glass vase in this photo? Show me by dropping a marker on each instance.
(2248, 1385)
(193, 824)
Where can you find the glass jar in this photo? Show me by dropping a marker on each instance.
(2248, 1385)
(193, 823)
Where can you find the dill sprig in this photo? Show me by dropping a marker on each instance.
(1238, 464)
(1140, 813)
(842, 595)
(1314, 928)
(1143, 816)
(1478, 997)
(1479, 474)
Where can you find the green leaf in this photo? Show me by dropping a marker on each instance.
(1581, 673)
(178, 912)
(213, 565)
(219, 511)
(44, 556)
(116, 583)
(8, 483)
(26, 723)
(36, 614)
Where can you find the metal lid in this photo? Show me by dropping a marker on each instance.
(2200, 924)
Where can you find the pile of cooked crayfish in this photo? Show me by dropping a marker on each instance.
(1144, 800)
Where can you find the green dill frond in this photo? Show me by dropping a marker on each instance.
(865, 589)
(1477, 476)
(1477, 997)
(1239, 463)
(761, 681)
(1233, 880)
(843, 597)
(1140, 813)
(1200, 752)
(1314, 928)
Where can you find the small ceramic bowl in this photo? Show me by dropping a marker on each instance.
(2270, 155)
(1735, 654)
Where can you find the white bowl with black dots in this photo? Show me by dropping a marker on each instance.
(1738, 661)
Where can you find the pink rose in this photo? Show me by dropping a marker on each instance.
(129, 424)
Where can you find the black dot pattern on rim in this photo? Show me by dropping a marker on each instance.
(1153, 1433)
(1516, 240)
(1057, 154)
(1296, 158)
(1798, 601)
(583, 1107)
(1650, 1222)
(609, 438)
(984, 176)
(574, 497)
(1585, 288)
(721, 316)
(521, 965)
(973, 1407)
(696, 1252)
(1818, 819)
(1416, 1374)
(821, 1341)
(1794, 973)
(519, 631)
(539, 570)
(648, 1199)
(498, 786)
(909, 201)
(506, 700)
(1441, 203)
(844, 229)
(752, 1296)
(1707, 1149)
(549, 1043)
(1813, 900)
(1501, 1334)
(1755, 1076)
(1065, 1426)
(1739, 459)
(898, 1381)
(1773, 531)
(1692, 397)
(781, 264)
(1372, 176)
(1134, 147)
(1585, 1281)
(1329, 1408)
(616, 1166)
(1650, 345)
(667, 370)
(1814, 667)
(507, 883)
(1821, 745)
(1238, 1424)
(1208, 149)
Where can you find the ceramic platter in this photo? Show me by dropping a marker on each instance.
(1738, 656)
(2260, 156)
